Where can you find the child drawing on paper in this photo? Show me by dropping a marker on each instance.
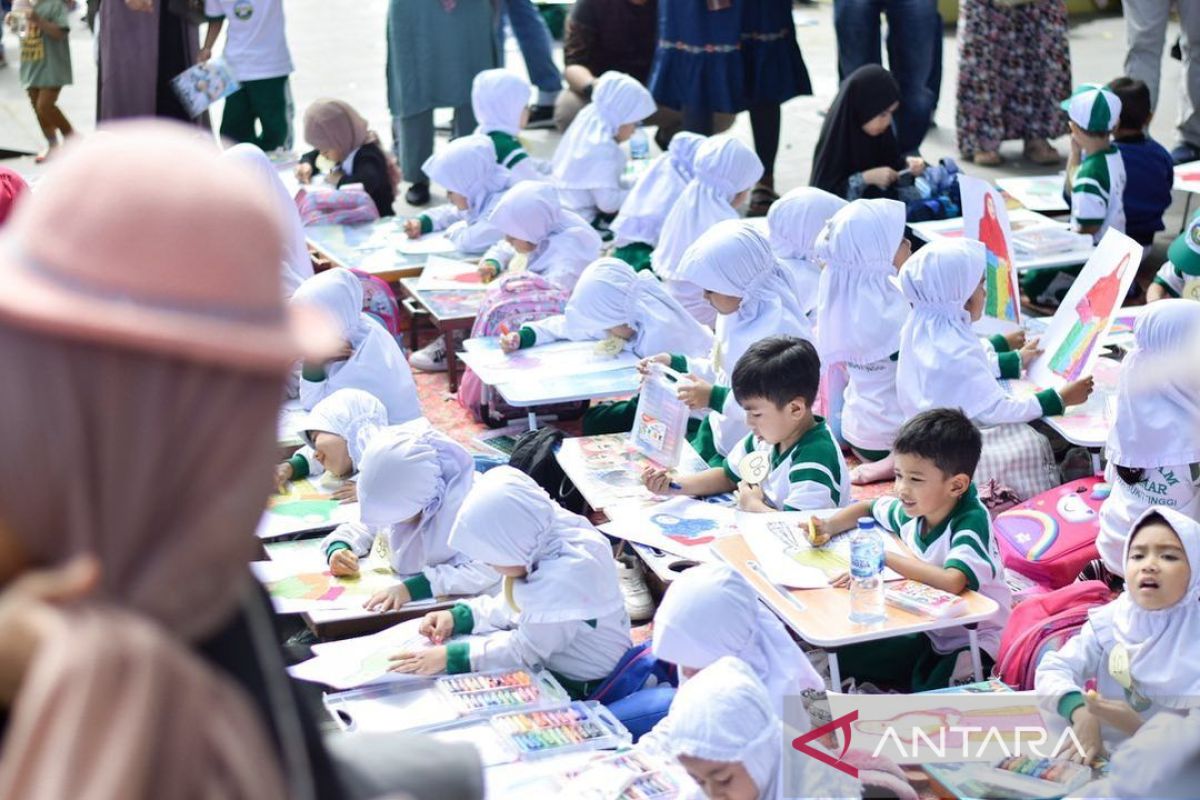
(684, 531)
(1095, 311)
(1001, 280)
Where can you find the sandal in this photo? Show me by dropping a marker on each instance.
(1041, 152)
(987, 158)
(761, 200)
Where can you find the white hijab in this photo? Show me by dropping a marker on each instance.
(498, 98)
(710, 612)
(733, 258)
(725, 714)
(351, 414)
(297, 263)
(723, 169)
(414, 469)
(610, 293)
(1158, 641)
(1158, 402)
(566, 244)
(859, 311)
(507, 520)
(467, 166)
(794, 222)
(376, 366)
(588, 156)
(645, 209)
(942, 362)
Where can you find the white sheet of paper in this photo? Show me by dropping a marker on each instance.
(449, 274)
(543, 362)
(426, 245)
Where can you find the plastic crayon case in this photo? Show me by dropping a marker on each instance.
(571, 728)
(495, 691)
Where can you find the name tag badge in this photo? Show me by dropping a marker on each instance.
(754, 467)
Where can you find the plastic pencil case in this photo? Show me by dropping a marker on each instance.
(572, 728)
(500, 691)
(641, 778)
(1016, 776)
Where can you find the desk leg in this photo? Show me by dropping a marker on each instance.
(835, 674)
(1097, 468)
(533, 421)
(452, 360)
(976, 662)
(1187, 210)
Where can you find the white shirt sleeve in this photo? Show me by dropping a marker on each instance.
(474, 237)
(467, 578)
(550, 329)
(1006, 408)
(355, 534)
(609, 200)
(530, 169)
(444, 216)
(703, 368)
(531, 645)
(501, 252)
(1064, 671)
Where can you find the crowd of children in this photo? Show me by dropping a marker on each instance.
(816, 336)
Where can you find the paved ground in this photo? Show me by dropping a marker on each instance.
(339, 51)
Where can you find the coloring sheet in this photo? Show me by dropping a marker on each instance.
(781, 546)
(1086, 424)
(1072, 342)
(1039, 193)
(306, 506)
(294, 590)
(985, 219)
(447, 273)
(660, 424)
(1187, 177)
(607, 470)
(540, 363)
(201, 85)
(684, 526)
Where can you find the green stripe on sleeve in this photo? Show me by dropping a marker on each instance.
(972, 581)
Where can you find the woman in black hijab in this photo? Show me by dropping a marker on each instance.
(857, 154)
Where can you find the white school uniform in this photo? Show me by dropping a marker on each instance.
(1155, 645)
(610, 293)
(733, 258)
(568, 613)
(467, 166)
(645, 210)
(723, 168)
(351, 414)
(255, 39)
(566, 244)
(1157, 427)
(794, 221)
(297, 263)
(860, 313)
(589, 163)
(376, 365)
(809, 476)
(410, 470)
(499, 98)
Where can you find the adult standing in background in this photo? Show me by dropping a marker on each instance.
(912, 44)
(1014, 68)
(1145, 30)
(533, 37)
(143, 45)
(435, 48)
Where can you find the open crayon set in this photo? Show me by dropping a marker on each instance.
(1015, 776)
(626, 776)
(497, 691)
(571, 728)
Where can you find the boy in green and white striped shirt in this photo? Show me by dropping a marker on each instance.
(1095, 172)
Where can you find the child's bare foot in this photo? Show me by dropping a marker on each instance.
(873, 472)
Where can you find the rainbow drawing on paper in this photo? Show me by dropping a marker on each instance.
(1001, 277)
(1095, 311)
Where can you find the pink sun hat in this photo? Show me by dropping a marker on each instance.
(142, 237)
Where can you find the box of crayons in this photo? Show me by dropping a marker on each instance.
(1015, 776)
(576, 727)
(921, 598)
(625, 776)
(486, 693)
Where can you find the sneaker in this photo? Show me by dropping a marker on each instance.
(431, 357)
(632, 578)
(417, 194)
(1185, 153)
(540, 117)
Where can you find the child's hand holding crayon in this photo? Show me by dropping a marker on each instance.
(343, 563)
(658, 481)
(412, 228)
(1077, 392)
(510, 341)
(488, 270)
(1016, 339)
(304, 172)
(817, 531)
(437, 626)
(1029, 351)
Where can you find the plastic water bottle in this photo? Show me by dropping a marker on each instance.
(639, 145)
(866, 573)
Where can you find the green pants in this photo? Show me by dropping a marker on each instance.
(615, 417)
(870, 455)
(258, 114)
(907, 662)
(1035, 282)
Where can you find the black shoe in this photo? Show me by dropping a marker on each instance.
(1185, 153)
(417, 194)
(540, 117)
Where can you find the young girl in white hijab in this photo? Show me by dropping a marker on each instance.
(1135, 650)
(370, 360)
(724, 172)
(474, 183)
(589, 162)
(412, 482)
(561, 608)
(557, 244)
(794, 222)
(297, 263)
(500, 100)
(641, 218)
(334, 433)
(943, 363)
(859, 316)
(1154, 444)
(749, 290)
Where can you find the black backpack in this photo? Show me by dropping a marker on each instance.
(533, 454)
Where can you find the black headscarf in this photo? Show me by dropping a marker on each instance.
(843, 148)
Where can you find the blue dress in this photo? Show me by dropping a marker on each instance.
(727, 60)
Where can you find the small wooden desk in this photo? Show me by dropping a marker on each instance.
(452, 313)
(372, 247)
(821, 616)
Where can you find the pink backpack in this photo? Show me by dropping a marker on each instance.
(1051, 537)
(1043, 624)
(347, 206)
(510, 302)
(380, 301)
